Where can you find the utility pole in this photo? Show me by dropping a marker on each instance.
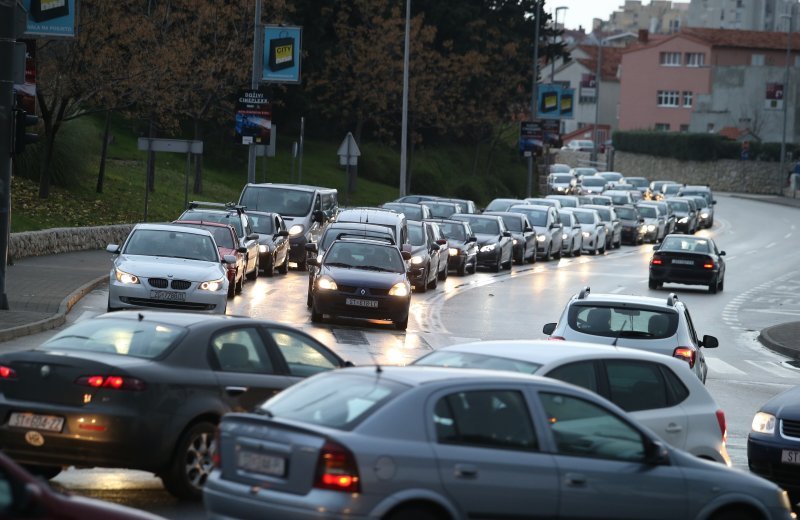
(555, 28)
(256, 77)
(404, 130)
(786, 97)
(597, 78)
(533, 90)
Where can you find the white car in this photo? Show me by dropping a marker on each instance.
(592, 228)
(579, 145)
(169, 267)
(661, 392)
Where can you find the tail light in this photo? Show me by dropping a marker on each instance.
(7, 372)
(556, 338)
(708, 263)
(337, 469)
(112, 382)
(657, 261)
(722, 425)
(685, 353)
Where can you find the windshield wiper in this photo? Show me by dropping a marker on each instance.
(374, 268)
(338, 264)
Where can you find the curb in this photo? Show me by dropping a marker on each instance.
(768, 341)
(57, 319)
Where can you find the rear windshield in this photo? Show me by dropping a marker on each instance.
(485, 225)
(332, 234)
(512, 223)
(696, 245)
(593, 182)
(141, 339)
(411, 212)
(627, 214)
(416, 235)
(648, 211)
(444, 358)
(536, 217)
(678, 206)
(605, 214)
(584, 217)
(341, 402)
(622, 198)
(284, 201)
(231, 219)
(499, 205)
(360, 255)
(623, 321)
(222, 235)
(454, 231)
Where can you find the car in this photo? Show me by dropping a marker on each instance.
(635, 193)
(440, 208)
(538, 201)
(661, 325)
(687, 259)
(273, 241)
(601, 200)
(613, 178)
(495, 245)
(522, 234)
(670, 190)
(655, 222)
(418, 442)
(663, 207)
(590, 185)
(774, 442)
(228, 244)
(685, 215)
(412, 211)
(579, 145)
(583, 170)
(365, 279)
(466, 205)
(613, 225)
(462, 244)
(572, 235)
(567, 201)
(444, 248)
(416, 199)
(658, 391)
(426, 256)
(620, 197)
(388, 218)
(145, 389)
(584, 200)
(560, 183)
(705, 213)
(656, 187)
(169, 266)
(595, 239)
(705, 192)
(559, 168)
(641, 184)
(549, 230)
(502, 204)
(633, 227)
(305, 209)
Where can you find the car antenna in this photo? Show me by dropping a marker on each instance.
(378, 369)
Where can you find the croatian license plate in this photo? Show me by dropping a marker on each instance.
(170, 296)
(682, 262)
(50, 423)
(261, 463)
(790, 457)
(372, 304)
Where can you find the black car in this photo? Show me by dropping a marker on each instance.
(523, 235)
(685, 216)
(633, 228)
(412, 211)
(273, 241)
(462, 245)
(495, 245)
(144, 390)
(426, 254)
(688, 260)
(362, 278)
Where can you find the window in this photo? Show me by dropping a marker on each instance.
(668, 98)
(241, 350)
(757, 60)
(687, 99)
(485, 418)
(304, 357)
(637, 385)
(796, 62)
(662, 127)
(582, 374)
(684, 128)
(622, 321)
(695, 59)
(670, 59)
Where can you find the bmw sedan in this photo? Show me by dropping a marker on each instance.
(495, 245)
(462, 245)
(688, 260)
(228, 244)
(144, 390)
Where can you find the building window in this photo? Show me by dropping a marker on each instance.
(684, 128)
(695, 59)
(710, 128)
(670, 59)
(669, 98)
(739, 4)
(662, 127)
(586, 100)
(687, 99)
(797, 61)
(757, 60)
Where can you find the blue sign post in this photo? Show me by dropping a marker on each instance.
(50, 18)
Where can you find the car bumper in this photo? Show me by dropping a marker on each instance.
(764, 459)
(416, 275)
(297, 249)
(488, 258)
(335, 303)
(685, 276)
(682, 227)
(630, 235)
(457, 262)
(131, 296)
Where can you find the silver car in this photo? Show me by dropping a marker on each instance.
(169, 267)
(413, 443)
(592, 228)
(572, 235)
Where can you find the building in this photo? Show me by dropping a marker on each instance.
(750, 15)
(657, 17)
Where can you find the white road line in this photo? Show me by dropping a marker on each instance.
(770, 311)
(617, 290)
(717, 365)
(787, 235)
(770, 367)
(770, 245)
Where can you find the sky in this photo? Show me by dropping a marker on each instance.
(581, 12)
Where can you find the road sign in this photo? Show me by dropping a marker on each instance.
(348, 151)
(170, 145)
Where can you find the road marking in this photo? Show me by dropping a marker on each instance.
(617, 290)
(770, 245)
(769, 311)
(717, 365)
(787, 235)
(770, 367)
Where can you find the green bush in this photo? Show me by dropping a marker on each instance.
(694, 147)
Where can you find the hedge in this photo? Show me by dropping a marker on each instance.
(695, 147)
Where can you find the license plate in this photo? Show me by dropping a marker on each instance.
(169, 296)
(682, 262)
(261, 463)
(372, 304)
(50, 423)
(790, 457)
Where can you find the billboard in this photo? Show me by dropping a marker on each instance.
(253, 117)
(555, 102)
(774, 98)
(282, 54)
(50, 18)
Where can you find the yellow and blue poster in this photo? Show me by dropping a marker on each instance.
(50, 18)
(282, 54)
(555, 102)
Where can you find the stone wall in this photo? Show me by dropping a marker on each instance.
(64, 240)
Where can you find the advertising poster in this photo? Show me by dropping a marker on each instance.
(556, 102)
(566, 103)
(253, 117)
(530, 136)
(774, 99)
(25, 93)
(282, 54)
(50, 18)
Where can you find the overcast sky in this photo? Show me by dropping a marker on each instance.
(581, 12)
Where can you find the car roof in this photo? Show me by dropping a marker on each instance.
(171, 227)
(401, 204)
(538, 207)
(299, 187)
(265, 213)
(595, 207)
(368, 215)
(469, 216)
(504, 214)
(627, 298)
(372, 241)
(202, 223)
(183, 319)
(417, 375)
(696, 187)
(447, 220)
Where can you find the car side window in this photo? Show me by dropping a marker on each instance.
(248, 230)
(317, 203)
(303, 356)
(636, 385)
(584, 429)
(692, 332)
(485, 419)
(242, 350)
(582, 374)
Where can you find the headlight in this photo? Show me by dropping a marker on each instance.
(326, 283)
(764, 423)
(586, 234)
(453, 251)
(515, 241)
(212, 285)
(399, 289)
(416, 260)
(319, 258)
(703, 215)
(262, 249)
(296, 230)
(643, 230)
(564, 236)
(541, 238)
(487, 248)
(126, 278)
(783, 499)
(683, 220)
(651, 227)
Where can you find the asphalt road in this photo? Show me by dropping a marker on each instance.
(761, 289)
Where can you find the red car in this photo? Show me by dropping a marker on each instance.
(227, 243)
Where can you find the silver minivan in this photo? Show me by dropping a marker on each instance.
(380, 216)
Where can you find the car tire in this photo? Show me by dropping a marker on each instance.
(549, 254)
(191, 462)
(252, 275)
(45, 472)
(301, 266)
(422, 287)
(474, 266)
(443, 274)
(240, 285)
(270, 269)
(602, 250)
(401, 325)
(232, 289)
(316, 317)
(721, 285)
(557, 255)
(284, 268)
(652, 284)
(412, 513)
(713, 286)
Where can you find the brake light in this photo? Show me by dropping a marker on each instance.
(556, 338)
(7, 372)
(657, 261)
(685, 353)
(112, 382)
(722, 426)
(337, 469)
(708, 266)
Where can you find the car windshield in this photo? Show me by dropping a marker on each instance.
(135, 338)
(412, 212)
(603, 201)
(284, 201)
(223, 217)
(440, 210)
(584, 171)
(171, 244)
(621, 198)
(263, 224)
(445, 358)
(222, 235)
(536, 217)
(612, 176)
(648, 211)
(623, 321)
(361, 255)
(567, 202)
(340, 402)
(487, 226)
(562, 179)
(512, 223)
(696, 245)
(416, 235)
(699, 201)
(605, 214)
(639, 182)
(498, 205)
(678, 206)
(453, 231)
(334, 233)
(593, 181)
(585, 217)
(671, 189)
(565, 218)
(627, 214)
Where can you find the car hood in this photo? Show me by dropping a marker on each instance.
(588, 227)
(363, 278)
(265, 240)
(166, 267)
(541, 230)
(785, 405)
(484, 239)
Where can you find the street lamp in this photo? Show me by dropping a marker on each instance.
(538, 7)
(597, 79)
(404, 130)
(555, 28)
(785, 90)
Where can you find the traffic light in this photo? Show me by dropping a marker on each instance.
(22, 120)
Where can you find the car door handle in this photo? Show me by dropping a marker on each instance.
(575, 479)
(235, 390)
(673, 428)
(465, 471)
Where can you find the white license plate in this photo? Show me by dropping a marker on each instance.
(50, 423)
(372, 304)
(261, 463)
(682, 262)
(790, 457)
(169, 296)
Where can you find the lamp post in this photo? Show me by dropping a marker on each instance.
(785, 90)
(404, 130)
(597, 77)
(538, 7)
(555, 27)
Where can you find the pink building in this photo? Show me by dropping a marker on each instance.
(661, 80)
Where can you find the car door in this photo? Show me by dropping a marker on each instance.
(700, 366)
(250, 243)
(555, 229)
(299, 355)
(487, 453)
(602, 465)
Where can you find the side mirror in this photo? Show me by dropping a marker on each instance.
(406, 255)
(241, 249)
(641, 221)
(549, 328)
(312, 261)
(655, 453)
(318, 216)
(435, 247)
(655, 247)
(282, 233)
(710, 342)
(722, 253)
(713, 202)
(253, 236)
(348, 364)
(441, 241)
(311, 247)
(407, 248)
(229, 259)
(528, 229)
(472, 239)
(113, 249)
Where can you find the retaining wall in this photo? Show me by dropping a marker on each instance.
(64, 240)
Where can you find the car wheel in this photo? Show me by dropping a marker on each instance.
(252, 275)
(462, 269)
(549, 254)
(499, 265)
(232, 288)
(721, 285)
(45, 472)
(474, 266)
(521, 259)
(734, 514)
(412, 513)
(401, 325)
(316, 317)
(603, 249)
(269, 270)
(712, 287)
(557, 255)
(443, 274)
(434, 282)
(301, 265)
(652, 284)
(191, 463)
(284, 268)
